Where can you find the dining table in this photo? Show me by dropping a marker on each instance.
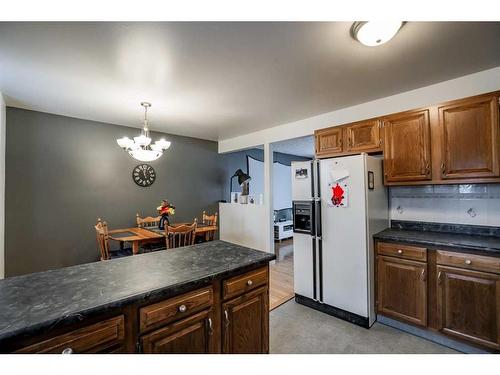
(141, 235)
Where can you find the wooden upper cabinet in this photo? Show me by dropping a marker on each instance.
(329, 141)
(363, 136)
(407, 151)
(469, 305)
(470, 138)
(402, 289)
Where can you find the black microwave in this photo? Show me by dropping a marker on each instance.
(303, 217)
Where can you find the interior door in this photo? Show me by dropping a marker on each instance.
(344, 260)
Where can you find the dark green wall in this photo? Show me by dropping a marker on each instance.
(62, 173)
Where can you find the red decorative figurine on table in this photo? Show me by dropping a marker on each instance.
(165, 209)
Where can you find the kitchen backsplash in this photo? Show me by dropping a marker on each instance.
(477, 204)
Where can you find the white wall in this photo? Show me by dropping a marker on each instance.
(447, 204)
(244, 224)
(282, 182)
(473, 84)
(2, 185)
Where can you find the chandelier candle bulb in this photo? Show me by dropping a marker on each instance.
(140, 148)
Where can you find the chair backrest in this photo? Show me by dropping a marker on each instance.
(209, 219)
(181, 235)
(147, 222)
(102, 236)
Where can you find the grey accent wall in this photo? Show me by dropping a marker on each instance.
(238, 160)
(62, 173)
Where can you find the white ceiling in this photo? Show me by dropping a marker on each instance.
(219, 80)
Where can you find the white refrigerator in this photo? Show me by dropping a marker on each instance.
(338, 204)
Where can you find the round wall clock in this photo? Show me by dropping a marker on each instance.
(144, 175)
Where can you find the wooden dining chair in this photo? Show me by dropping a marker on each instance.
(102, 236)
(181, 235)
(212, 221)
(147, 222)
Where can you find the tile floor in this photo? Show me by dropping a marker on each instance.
(298, 329)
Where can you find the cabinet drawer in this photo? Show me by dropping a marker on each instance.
(94, 338)
(175, 308)
(243, 283)
(468, 261)
(402, 251)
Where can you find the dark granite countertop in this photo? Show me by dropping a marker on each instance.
(449, 237)
(36, 302)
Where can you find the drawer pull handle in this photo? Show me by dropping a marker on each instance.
(210, 327)
(400, 251)
(249, 282)
(182, 308)
(67, 351)
(423, 275)
(226, 318)
(439, 277)
(468, 261)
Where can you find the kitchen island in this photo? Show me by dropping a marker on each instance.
(207, 298)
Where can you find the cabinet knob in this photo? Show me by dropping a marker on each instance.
(249, 282)
(182, 308)
(400, 251)
(67, 351)
(468, 261)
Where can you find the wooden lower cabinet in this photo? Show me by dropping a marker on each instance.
(453, 293)
(193, 335)
(229, 315)
(469, 305)
(402, 289)
(245, 326)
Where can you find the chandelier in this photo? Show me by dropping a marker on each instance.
(140, 148)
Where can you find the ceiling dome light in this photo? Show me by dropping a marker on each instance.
(375, 33)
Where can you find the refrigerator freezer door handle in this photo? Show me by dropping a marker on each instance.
(317, 179)
(312, 180)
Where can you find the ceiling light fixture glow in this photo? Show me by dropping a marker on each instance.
(375, 33)
(140, 148)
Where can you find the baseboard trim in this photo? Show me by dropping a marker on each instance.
(431, 336)
(333, 311)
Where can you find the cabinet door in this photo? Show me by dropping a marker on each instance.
(329, 141)
(363, 136)
(193, 335)
(407, 152)
(469, 305)
(402, 289)
(246, 323)
(470, 138)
